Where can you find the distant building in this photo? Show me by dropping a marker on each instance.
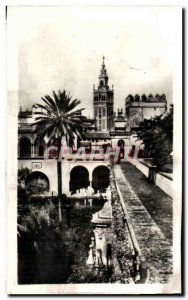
(106, 129)
(143, 107)
(103, 102)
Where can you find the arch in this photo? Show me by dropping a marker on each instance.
(121, 143)
(100, 178)
(78, 142)
(39, 179)
(41, 150)
(25, 147)
(79, 178)
(132, 151)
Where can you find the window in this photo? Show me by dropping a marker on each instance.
(41, 150)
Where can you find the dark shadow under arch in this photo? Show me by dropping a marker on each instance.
(121, 143)
(40, 177)
(25, 147)
(79, 178)
(101, 178)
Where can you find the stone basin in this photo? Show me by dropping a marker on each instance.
(104, 216)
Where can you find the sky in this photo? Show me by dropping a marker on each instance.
(62, 48)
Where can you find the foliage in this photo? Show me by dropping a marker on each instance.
(36, 187)
(49, 253)
(21, 191)
(157, 136)
(59, 117)
(42, 253)
(122, 251)
(22, 174)
(87, 274)
(122, 246)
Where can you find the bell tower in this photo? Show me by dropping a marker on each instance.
(103, 101)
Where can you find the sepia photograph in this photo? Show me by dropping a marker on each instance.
(94, 155)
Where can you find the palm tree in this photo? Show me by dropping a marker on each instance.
(59, 117)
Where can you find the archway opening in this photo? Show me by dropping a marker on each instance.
(78, 142)
(39, 147)
(41, 150)
(37, 183)
(79, 178)
(101, 178)
(25, 147)
(121, 143)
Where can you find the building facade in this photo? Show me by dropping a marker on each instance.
(143, 107)
(106, 129)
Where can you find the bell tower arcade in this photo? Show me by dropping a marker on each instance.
(103, 101)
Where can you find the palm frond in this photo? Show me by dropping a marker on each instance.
(59, 118)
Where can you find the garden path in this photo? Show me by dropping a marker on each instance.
(155, 248)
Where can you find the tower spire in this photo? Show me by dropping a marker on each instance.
(103, 76)
(103, 58)
(103, 101)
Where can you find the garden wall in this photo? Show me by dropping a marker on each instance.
(163, 181)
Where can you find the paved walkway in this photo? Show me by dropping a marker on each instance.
(157, 202)
(155, 248)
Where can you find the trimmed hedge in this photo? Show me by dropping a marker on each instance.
(122, 247)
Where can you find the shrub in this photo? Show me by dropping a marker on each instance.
(36, 187)
(50, 252)
(22, 174)
(122, 246)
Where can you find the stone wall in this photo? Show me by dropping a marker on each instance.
(163, 181)
(49, 168)
(143, 107)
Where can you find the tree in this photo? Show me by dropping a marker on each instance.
(157, 136)
(22, 174)
(58, 118)
(21, 191)
(36, 187)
